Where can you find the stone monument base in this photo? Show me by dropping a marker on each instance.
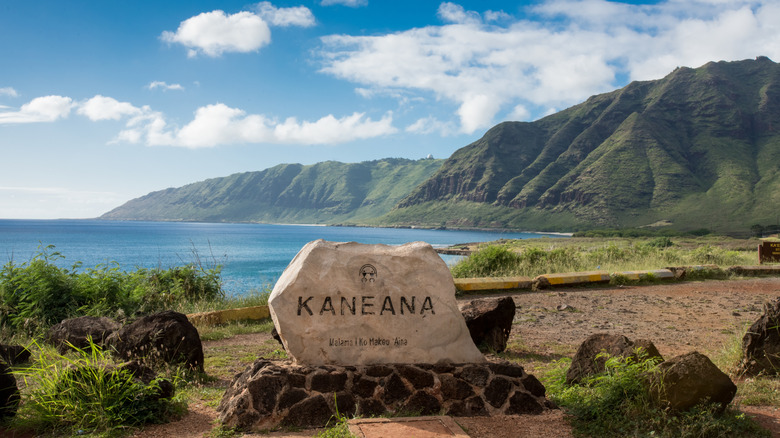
(270, 394)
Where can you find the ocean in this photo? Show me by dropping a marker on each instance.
(252, 256)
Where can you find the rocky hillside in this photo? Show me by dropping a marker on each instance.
(325, 192)
(698, 148)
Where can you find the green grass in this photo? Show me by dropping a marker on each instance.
(224, 331)
(617, 403)
(84, 393)
(533, 257)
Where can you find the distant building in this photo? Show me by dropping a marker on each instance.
(429, 157)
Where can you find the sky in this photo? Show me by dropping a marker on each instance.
(105, 101)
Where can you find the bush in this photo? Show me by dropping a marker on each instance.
(493, 261)
(617, 403)
(38, 294)
(88, 394)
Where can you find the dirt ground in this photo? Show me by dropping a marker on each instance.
(676, 317)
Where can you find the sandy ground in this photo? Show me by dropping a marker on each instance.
(677, 317)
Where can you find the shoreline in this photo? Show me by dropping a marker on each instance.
(344, 225)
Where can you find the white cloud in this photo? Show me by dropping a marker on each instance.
(432, 125)
(295, 16)
(219, 124)
(350, 3)
(106, 108)
(164, 85)
(562, 53)
(214, 33)
(8, 91)
(519, 113)
(452, 13)
(40, 109)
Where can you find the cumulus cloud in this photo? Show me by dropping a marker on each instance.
(561, 52)
(8, 91)
(106, 108)
(432, 125)
(450, 12)
(212, 126)
(164, 85)
(214, 33)
(283, 17)
(40, 109)
(350, 3)
(219, 124)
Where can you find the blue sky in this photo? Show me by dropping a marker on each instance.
(105, 101)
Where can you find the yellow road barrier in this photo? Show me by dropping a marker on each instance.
(638, 275)
(223, 316)
(570, 278)
(490, 283)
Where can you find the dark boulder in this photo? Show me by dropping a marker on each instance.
(489, 322)
(77, 331)
(9, 393)
(14, 354)
(685, 381)
(166, 337)
(761, 343)
(588, 360)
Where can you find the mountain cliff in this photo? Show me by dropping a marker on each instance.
(699, 148)
(325, 192)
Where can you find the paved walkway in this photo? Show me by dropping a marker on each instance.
(406, 427)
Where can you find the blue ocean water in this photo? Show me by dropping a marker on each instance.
(252, 256)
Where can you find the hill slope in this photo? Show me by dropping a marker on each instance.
(700, 147)
(325, 192)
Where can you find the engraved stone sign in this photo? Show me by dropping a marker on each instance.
(355, 304)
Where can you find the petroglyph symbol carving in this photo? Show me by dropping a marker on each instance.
(367, 274)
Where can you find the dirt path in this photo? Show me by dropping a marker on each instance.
(677, 317)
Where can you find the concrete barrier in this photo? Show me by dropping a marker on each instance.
(492, 283)
(224, 316)
(571, 278)
(640, 275)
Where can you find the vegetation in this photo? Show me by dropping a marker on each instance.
(328, 192)
(617, 403)
(87, 394)
(678, 149)
(37, 294)
(534, 257)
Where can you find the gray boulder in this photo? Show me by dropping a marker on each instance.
(688, 380)
(76, 331)
(587, 362)
(761, 343)
(489, 322)
(167, 337)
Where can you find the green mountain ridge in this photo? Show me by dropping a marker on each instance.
(327, 192)
(699, 148)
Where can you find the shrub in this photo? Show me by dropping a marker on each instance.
(88, 394)
(616, 403)
(38, 294)
(493, 261)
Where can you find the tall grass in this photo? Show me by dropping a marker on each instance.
(38, 293)
(88, 394)
(511, 260)
(617, 403)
